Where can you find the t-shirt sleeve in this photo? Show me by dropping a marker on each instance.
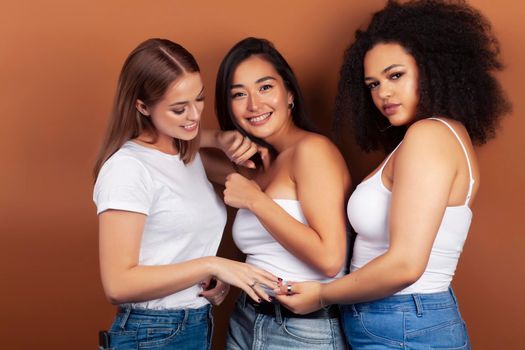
(123, 184)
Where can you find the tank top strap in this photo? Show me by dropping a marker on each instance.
(388, 158)
(471, 178)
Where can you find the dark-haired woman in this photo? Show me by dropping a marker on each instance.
(160, 222)
(420, 77)
(290, 220)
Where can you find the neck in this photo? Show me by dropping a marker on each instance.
(285, 138)
(163, 143)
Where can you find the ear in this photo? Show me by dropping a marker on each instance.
(290, 98)
(141, 107)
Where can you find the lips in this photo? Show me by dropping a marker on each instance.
(390, 108)
(260, 119)
(190, 127)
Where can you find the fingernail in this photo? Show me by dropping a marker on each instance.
(270, 299)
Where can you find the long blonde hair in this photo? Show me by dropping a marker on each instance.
(146, 75)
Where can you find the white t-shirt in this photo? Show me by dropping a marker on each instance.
(185, 218)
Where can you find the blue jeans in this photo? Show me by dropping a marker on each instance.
(251, 330)
(413, 321)
(185, 329)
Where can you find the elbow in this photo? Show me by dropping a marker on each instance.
(410, 273)
(115, 295)
(331, 266)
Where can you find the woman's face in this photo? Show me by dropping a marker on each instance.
(178, 113)
(391, 74)
(259, 98)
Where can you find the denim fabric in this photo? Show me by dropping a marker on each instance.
(249, 330)
(413, 321)
(186, 329)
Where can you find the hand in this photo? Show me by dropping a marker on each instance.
(240, 192)
(305, 297)
(237, 147)
(215, 291)
(244, 276)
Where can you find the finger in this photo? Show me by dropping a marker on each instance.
(265, 156)
(247, 153)
(243, 148)
(251, 293)
(248, 164)
(286, 300)
(236, 142)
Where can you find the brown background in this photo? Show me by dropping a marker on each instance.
(59, 62)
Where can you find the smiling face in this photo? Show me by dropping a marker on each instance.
(259, 99)
(391, 74)
(177, 115)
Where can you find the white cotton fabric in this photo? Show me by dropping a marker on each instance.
(184, 217)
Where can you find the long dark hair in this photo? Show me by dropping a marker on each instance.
(146, 75)
(238, 53)
(456, 54)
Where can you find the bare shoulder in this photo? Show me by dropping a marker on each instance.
(313, 145)
(430, 134)
(316, 154)
(429, 142)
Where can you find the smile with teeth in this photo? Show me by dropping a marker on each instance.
(190, 127)
(260, 118)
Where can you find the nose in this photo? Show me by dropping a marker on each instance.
(385, 90)
(194, 112)
(253, 103)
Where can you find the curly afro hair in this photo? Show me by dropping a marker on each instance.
(456, 54)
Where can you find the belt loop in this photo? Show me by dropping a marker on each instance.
(278, 316)
(419, 306)
(453, 295)
(243, 299)
(354, 310)
(125, 316)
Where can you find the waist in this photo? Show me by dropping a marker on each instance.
(275, 308)
(173, 315)
(409, 302)
(289, 268)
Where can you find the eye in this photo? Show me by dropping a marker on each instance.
(372, 85)
(237, 94)
(200, 99)
(396, 76)
(266, 87)
(179, 111)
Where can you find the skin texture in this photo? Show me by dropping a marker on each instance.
(120, 232)
(392, 84)
(426, 174)
(307, 168)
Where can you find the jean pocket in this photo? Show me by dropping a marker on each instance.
(309, 330)
(157, 335)
(451, 337)
(383, 327)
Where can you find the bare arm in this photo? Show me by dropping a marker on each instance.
(124, 280)
(423, 177)
(322, 182)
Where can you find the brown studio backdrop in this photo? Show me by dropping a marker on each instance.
(59, 61)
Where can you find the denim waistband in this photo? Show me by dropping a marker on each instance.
(409, 302)
(278, 310)
(124, 313)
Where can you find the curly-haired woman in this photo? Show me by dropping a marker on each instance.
(420, 77)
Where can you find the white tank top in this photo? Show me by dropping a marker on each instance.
(368, 211)
(262, 250)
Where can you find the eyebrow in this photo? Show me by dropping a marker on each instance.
(185, 102)
(386, 70)
(260, 80)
